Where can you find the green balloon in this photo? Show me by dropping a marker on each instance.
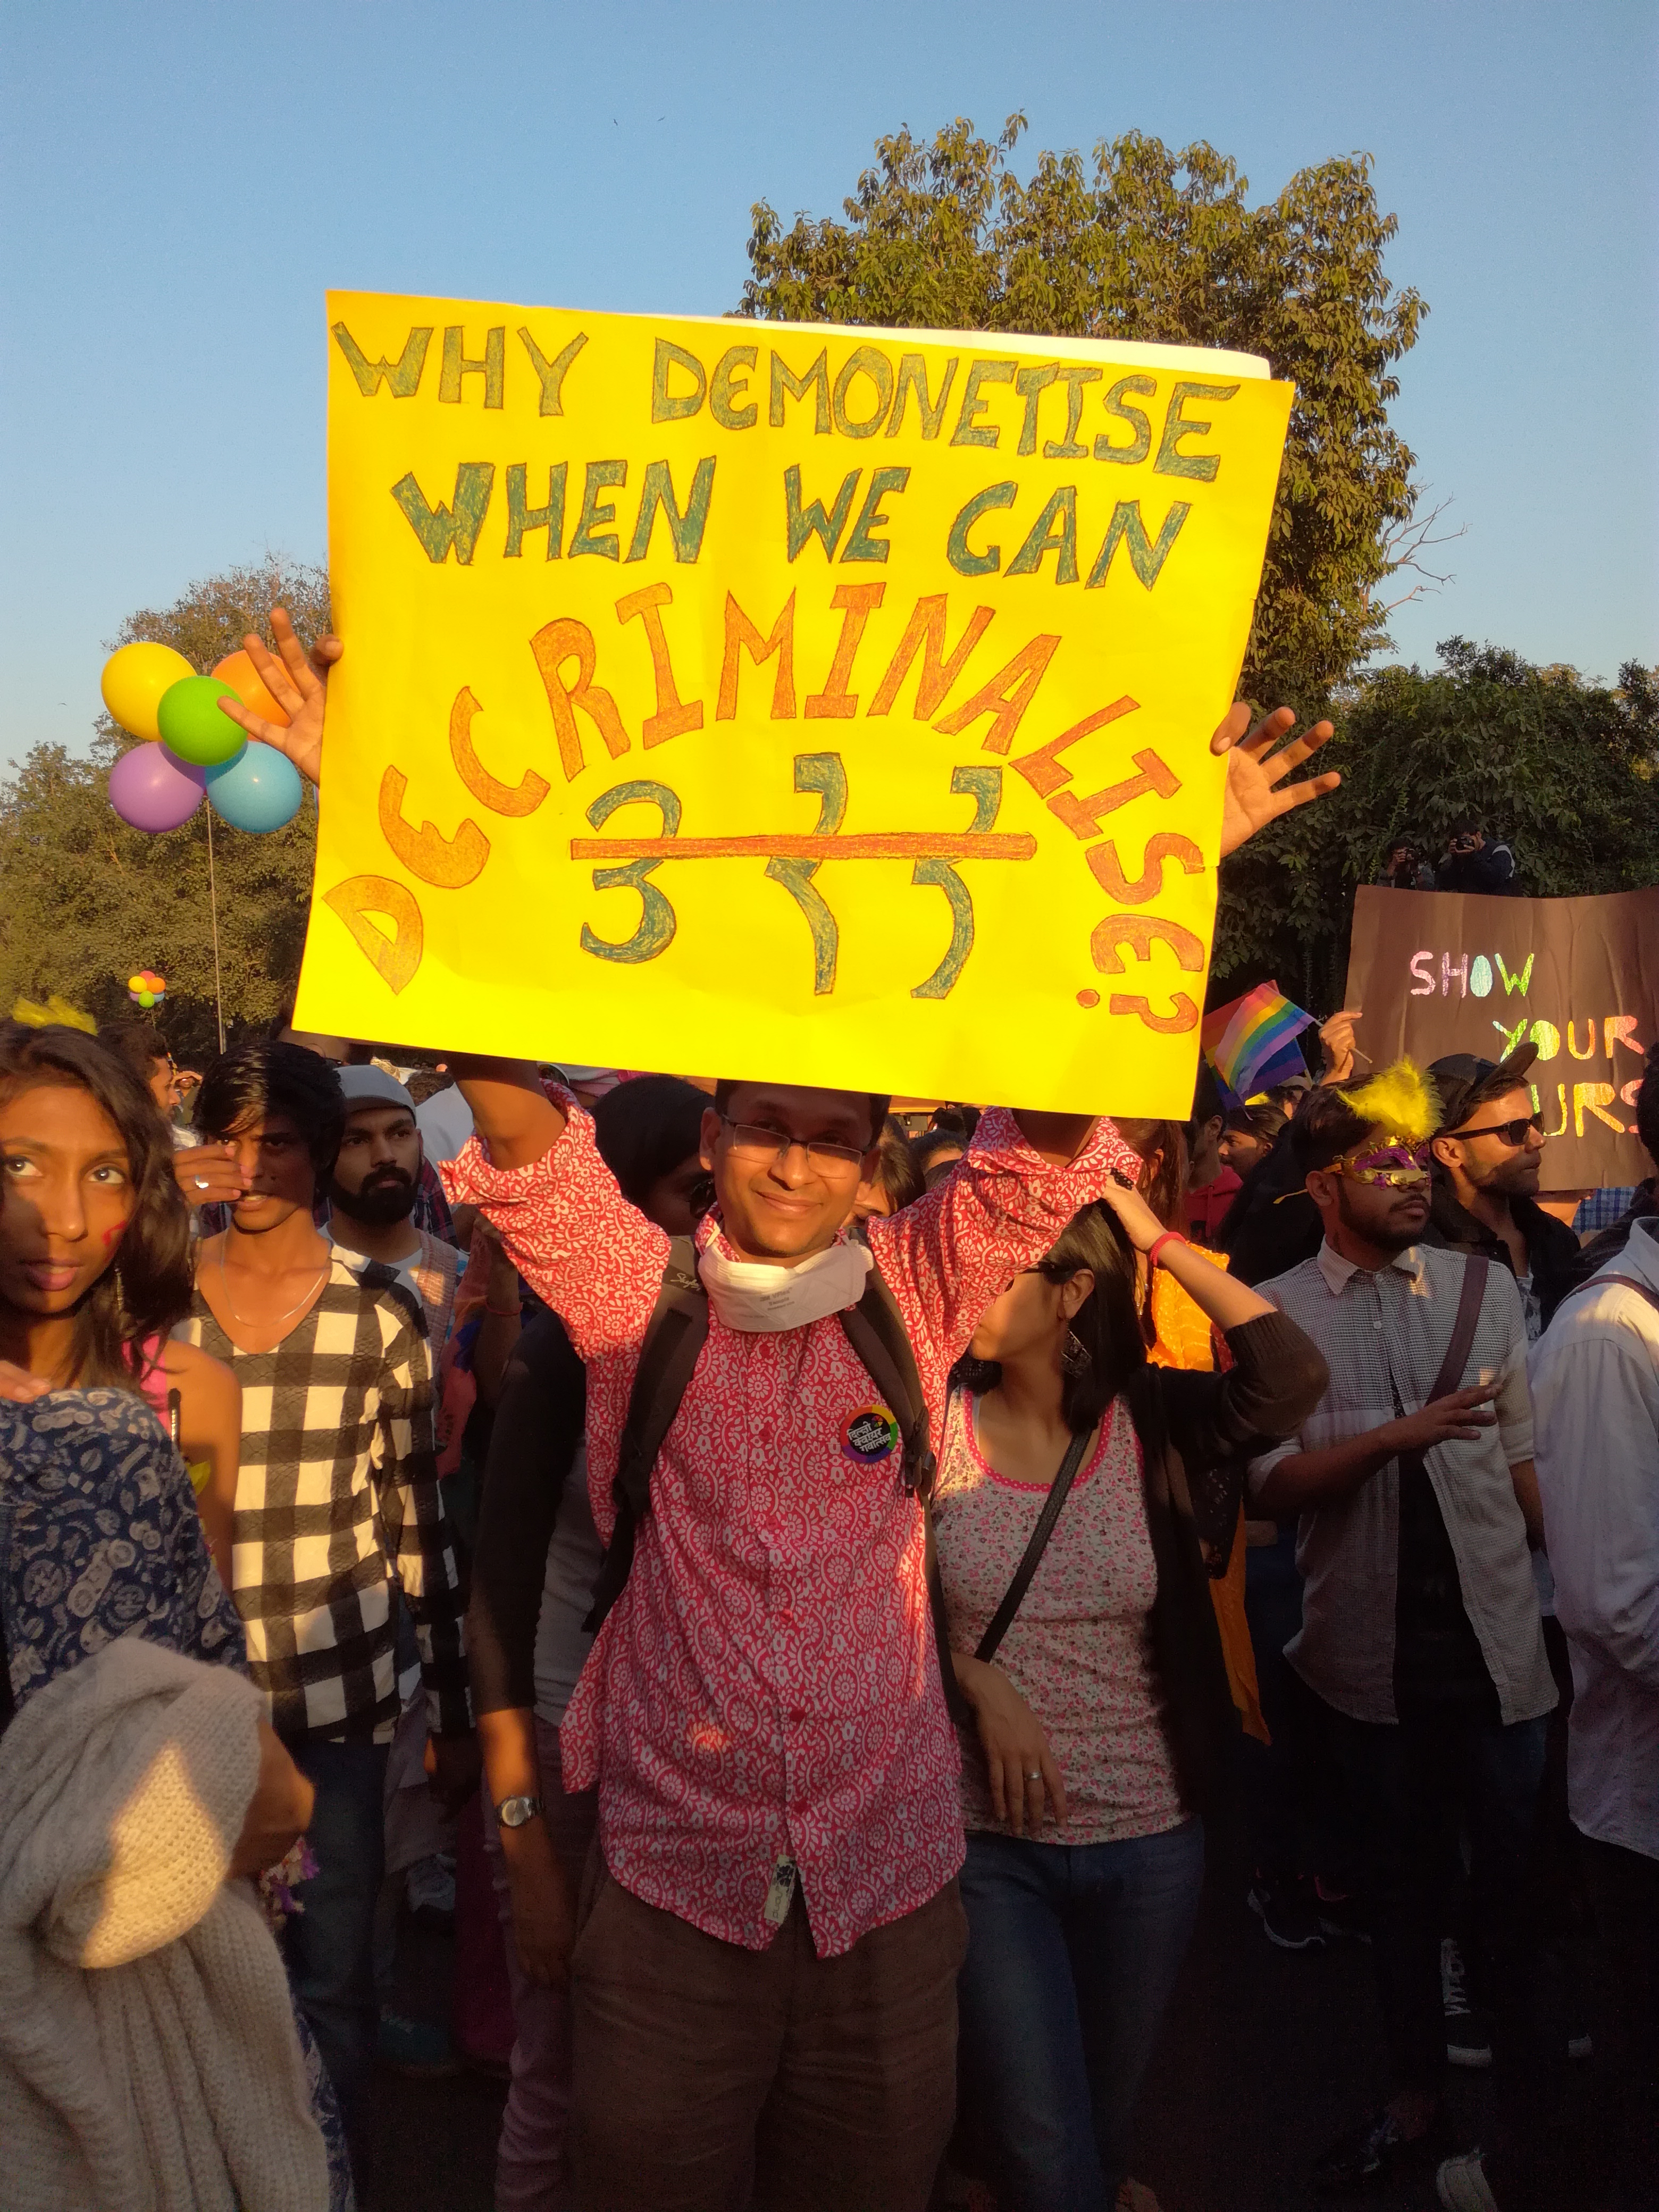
(192, 728)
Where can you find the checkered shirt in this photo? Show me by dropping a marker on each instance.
(1384, 1334)
(1603, 1208)
(337, 1499)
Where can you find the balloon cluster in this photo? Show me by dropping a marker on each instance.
(147, 988)
(191, 749)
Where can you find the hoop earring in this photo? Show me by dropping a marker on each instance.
(1075, 1357)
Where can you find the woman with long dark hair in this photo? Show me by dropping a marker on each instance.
(100, 1536)
(1084, 1498)
(96, 1253)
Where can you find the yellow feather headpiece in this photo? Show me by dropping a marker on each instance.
(1400, 1099)
(56, 1009)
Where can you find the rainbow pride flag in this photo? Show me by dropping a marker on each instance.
(1252, 1041)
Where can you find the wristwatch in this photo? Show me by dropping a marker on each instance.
(514, 1812)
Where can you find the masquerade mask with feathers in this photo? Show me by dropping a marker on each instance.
(1403, 1113)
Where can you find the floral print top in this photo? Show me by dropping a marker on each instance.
(1079, 1649)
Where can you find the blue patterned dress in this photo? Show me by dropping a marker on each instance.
(99, 1538)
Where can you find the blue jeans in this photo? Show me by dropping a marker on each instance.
(1072, 1951)
(329, 1946)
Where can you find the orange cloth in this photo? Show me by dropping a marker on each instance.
(1186, 1340)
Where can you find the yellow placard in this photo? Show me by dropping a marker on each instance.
(826, 705)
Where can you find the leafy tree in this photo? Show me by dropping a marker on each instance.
(85, 901)
(1560, 766)
(213, 617)
(1158, 246)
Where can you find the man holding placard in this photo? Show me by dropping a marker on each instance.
(763, 1976)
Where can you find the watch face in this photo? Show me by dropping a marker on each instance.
(514, 1812)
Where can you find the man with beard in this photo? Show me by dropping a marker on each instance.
(372, 1188)
(1488, 1154)
(1420, 1633)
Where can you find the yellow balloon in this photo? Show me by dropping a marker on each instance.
(133, 681)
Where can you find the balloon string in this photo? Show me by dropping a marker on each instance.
(213, 908)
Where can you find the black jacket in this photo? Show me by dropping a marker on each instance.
(538, 1426)
(1490, 872)
(1196, 1431)
(1551, 1245)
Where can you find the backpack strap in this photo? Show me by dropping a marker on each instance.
(673, 1341)
(875, 1329)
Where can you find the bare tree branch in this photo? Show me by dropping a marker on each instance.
(1406, 542)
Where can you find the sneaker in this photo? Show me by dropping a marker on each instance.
(419, 2048)
(1287, 1919)
(1461, 2184)
(1371, 2152)
(1468, 2031)
(1339, 1914)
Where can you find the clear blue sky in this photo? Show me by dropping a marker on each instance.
(182, 181)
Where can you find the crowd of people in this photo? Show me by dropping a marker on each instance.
(824, 1576)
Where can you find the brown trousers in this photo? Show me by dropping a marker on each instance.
(704, 2070)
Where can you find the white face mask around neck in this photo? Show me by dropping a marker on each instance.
(747, 1295)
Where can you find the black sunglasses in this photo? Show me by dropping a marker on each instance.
(1513, 1132)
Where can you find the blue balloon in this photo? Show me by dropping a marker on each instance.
(260, 790)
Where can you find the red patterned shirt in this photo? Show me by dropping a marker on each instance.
(767, 1687)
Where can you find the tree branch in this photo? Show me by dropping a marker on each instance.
(1404, 545)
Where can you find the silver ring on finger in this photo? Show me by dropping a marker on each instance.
(201, 1182)
(1036, 1775)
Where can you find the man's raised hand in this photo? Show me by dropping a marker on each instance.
(1257, 793)
(298, 682)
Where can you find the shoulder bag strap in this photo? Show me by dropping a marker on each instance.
(1014, 1596)
(674, 1338)
(1476, 1267)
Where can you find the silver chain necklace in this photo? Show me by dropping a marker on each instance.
(245, 1320)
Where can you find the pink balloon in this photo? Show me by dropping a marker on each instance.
(151, 790)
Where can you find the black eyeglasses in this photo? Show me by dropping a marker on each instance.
(759, 1143)
(1513, 1132)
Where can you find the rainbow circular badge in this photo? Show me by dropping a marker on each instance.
(868, 1435)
